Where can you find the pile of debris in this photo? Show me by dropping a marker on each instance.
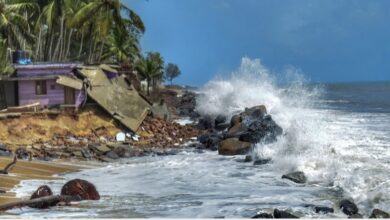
(155, 135)
(164, 134)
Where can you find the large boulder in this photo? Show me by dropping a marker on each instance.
(235, 120)
(236, 130)
(258, 111)
(297, 177)
(232, 146)
(377, 213)
(81, 188)
(349, 208)
(42, 191)
(261, 129)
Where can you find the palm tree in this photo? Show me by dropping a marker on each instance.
(14, 25)
(121, 47)
(150, 68)
(106, 15)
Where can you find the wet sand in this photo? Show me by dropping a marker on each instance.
(29, 170)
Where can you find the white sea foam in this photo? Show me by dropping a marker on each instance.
(330, 147)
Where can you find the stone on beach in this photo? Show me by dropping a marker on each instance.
(377, 213)
(82, 188)
(349, 208)
(297, 177)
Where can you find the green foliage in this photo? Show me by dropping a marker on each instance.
(171, 71)
(150, 68)
(5, 68)
(89, 31)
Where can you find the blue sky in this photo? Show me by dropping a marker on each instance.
(328, 40)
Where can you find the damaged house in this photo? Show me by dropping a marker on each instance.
(70, 85)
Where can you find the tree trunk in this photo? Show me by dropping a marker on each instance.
(50, 55)
(81, 45)
(57, 51)
(38, 46)
(37, 201)
(69, 42)
(147, 87)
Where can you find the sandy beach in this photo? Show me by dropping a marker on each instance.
(29, 170)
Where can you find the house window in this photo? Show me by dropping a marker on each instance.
(40, 87)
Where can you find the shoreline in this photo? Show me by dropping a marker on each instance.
(32, 170)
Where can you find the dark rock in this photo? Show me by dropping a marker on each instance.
(265, 129)
(323, 209)
(220, 119)
(210, 141)
(222, 126)
(112, 155)
(248, 158)
(297, 177)
(2, 191)
(349, 208)
(233, 146)
(283, 214)
(357, 215)
(206, 122)
(377, 213)
(82, 188)
(261, 161)
(263, 215)
(42, 191)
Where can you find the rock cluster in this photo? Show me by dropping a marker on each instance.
(186, 105)
(157, 136)
(244, 130)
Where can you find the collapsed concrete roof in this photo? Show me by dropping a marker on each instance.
(118, 98)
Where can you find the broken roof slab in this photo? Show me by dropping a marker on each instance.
(123, 103)
(70, 82)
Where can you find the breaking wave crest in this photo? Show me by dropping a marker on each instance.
(328, 146)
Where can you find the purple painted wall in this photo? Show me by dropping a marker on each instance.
(55, 94)
(53, 97)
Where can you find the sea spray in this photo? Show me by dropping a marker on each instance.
(313, 141)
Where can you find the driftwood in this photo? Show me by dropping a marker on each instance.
(36, 202)
(9, 166)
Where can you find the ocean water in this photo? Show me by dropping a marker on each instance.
(337, 134)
